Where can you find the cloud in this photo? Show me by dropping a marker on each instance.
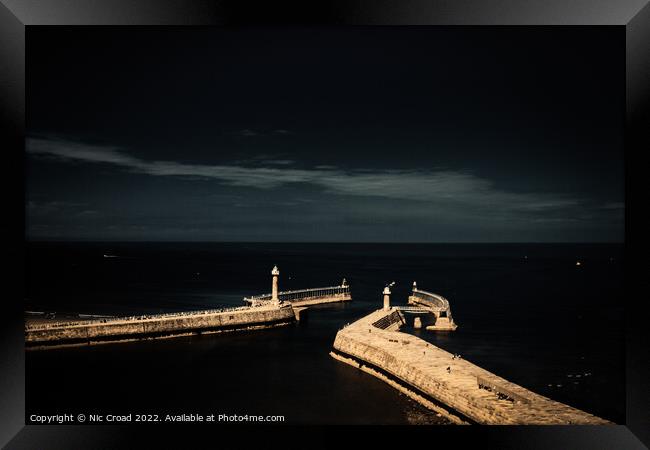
(280, 162)
(80, 151)
(263, 160)
(437, 187)
(325, 167)
(38, 208)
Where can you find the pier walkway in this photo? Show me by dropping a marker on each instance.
(459, 389)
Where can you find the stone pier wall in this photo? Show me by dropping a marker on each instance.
(460, 385)
(161, 325)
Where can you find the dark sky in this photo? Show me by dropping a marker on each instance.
(405, 134)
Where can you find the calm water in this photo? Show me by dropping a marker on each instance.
(525, 312)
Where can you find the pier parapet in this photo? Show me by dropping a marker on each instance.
(436, 305)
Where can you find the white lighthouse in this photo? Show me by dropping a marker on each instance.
(274, 288)
(386, 298)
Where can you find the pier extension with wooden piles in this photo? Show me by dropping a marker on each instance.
(303, 297)
(456, 388)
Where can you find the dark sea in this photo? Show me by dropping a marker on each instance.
(526, 312)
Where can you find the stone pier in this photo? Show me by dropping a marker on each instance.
(458, 389)
(264, 311)
(157, 325)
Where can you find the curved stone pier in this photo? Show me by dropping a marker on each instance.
(432, 376)
(436, 305)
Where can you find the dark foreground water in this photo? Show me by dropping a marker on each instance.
(525, 312)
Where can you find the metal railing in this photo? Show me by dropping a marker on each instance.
(387, 320)
(302, 294)
(47, 326)
(413, 309)
(439, 301)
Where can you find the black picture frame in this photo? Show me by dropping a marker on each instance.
(17, 15)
